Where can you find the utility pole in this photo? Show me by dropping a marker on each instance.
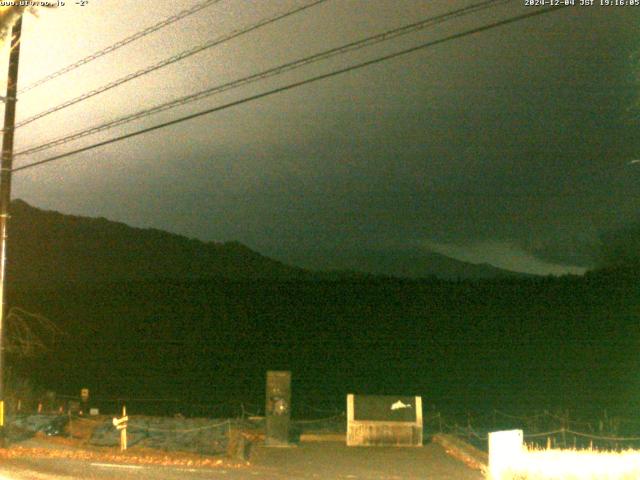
(6, 166)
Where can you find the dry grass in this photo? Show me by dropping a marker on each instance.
(537, 464)
(42, 446)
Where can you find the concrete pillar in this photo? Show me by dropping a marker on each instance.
(505, 450)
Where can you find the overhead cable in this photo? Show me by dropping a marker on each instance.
(125, 41)
(271, 72)
(295, 85)
(168, 61)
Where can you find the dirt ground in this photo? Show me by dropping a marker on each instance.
(317, 460)
(334, 460)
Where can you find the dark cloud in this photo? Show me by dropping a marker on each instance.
(520, 136)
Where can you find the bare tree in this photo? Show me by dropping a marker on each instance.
(29, 334)
(10, 15)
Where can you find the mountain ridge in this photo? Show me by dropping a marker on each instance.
(46, 246)
(51, 246)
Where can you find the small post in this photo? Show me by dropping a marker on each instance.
(84, 397)
(123, 432)
(121, 424)
(548, 443)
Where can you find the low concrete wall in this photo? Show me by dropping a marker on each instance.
(462, 451)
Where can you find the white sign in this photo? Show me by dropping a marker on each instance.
(120, 423)
(399, 405)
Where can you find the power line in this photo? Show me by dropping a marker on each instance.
(125, 41)
(168, 61)
(350, 47)
(295, 85)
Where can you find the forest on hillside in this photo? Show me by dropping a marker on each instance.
(514, 344)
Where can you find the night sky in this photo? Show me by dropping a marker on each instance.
(511, 146)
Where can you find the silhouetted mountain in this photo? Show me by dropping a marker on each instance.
(398, 262)
(49, 247)
(620, 247)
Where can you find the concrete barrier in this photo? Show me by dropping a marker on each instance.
(506, 449)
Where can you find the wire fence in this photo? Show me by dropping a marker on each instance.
(543, 429)
(173, 407)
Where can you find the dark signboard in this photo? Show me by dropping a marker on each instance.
(278, 408)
